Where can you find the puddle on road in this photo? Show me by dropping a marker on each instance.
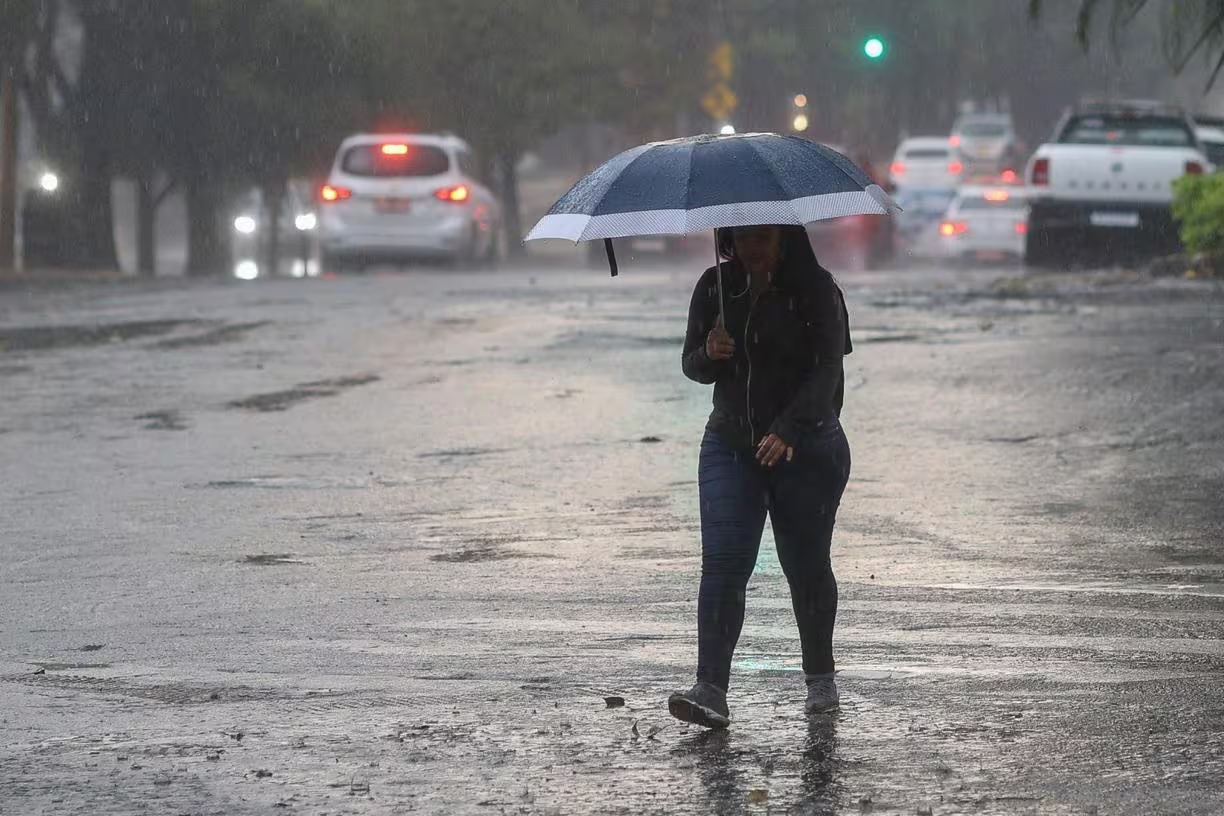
(286, 483)
(271, 560)
(46, 338)
(215, 337)
(162, 421)
(284, 400)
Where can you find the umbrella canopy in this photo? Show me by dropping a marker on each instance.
(706, 182)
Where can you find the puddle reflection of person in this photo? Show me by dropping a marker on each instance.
(721, 762)
(773, 446)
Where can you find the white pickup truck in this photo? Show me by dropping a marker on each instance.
(1103, 188)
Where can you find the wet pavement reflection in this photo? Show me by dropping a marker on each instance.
(387, 543)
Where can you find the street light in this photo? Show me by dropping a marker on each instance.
(727, 130)
(874, 48)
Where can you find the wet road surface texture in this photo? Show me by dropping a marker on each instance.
(428, 542)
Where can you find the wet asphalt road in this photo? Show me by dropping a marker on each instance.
(384, 545)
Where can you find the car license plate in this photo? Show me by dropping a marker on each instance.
(392, 205)
(1125, 220)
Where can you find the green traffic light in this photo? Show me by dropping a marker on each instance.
(874, 48)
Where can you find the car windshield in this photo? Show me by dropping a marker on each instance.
(984, 130)
(926, 153)
(395, 160)
(993, 202)
(1132, 131)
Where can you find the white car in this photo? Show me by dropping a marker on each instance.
(926, 161)
(989, 222)
(393, 197)
(985, 142)
(1104, 184)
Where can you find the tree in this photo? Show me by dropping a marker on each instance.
(504, 75)
(18, 20)
(1190, 27)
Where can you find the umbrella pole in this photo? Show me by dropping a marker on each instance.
(722, 319)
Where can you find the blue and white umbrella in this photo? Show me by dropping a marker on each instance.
(706, 182)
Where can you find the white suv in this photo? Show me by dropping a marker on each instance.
(393, 197)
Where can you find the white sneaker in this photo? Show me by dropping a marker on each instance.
(821, 693)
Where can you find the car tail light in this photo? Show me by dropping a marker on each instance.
(956, 168)
(950, 229)
(1041, 173)
(897, 169)
(457, 194)
(1022, 228)
(1008, 176)
(1193, 168)
(955, 141)
(395, 150)
(330, 193)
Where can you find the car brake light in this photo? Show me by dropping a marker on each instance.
(954, 141)
(1008, 177)
(956, 168)
(997, 196)
(1022, 228)
(949, 229)
(1041, 173)
(457, 194)
(897, 169)
(330, 193)
(1193, 168)
(395, 150)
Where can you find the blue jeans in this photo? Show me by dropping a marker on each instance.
(801, 498)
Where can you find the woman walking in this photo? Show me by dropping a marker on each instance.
(773, 446)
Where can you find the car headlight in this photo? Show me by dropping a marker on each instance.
(306, 222)
(246, 270)
(244, 224)
(49, 182)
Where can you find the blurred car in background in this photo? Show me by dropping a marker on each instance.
(1212, 141)
(1102, 189)
(985, 142)
(400, 197)
(985, 223)
(296, 224)
(917, 225)
(926, 162)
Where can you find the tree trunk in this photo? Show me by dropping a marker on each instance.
(8, 170)
(208, 247)
(512, 218)
(96, 238)
(146, 228)
(273, 199)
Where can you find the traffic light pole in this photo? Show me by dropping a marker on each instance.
(8, 170)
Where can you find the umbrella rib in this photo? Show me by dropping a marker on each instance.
(624, 170)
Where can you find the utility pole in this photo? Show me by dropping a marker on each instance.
(8, 170)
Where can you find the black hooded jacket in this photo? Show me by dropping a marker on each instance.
(786, 375)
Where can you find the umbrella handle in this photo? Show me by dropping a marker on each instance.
(722, 309)
(611, 255)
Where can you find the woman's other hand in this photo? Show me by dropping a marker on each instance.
(772, 449)
(719, 345)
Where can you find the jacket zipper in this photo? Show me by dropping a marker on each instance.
(748, 357)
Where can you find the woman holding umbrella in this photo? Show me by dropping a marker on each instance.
(773, 446)
(768, 328)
